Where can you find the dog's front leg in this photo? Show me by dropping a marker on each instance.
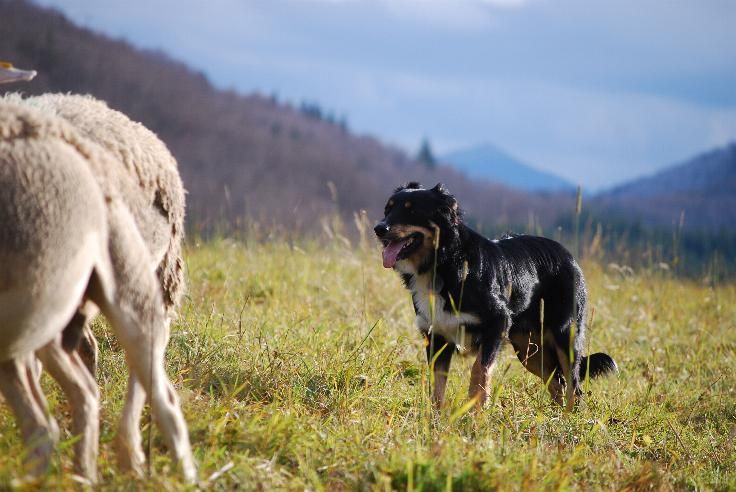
(480, 374)
(439, 355)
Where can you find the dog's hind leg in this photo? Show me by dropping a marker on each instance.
(572, 390)
(538, 358)
(564, 387)
(563, 331)
(440, 348)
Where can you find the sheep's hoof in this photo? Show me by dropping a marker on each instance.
(40, 446)
(130, 459)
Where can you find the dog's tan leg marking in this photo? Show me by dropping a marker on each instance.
(528, 348)
(36, 427)
(80, 389)
(479, 377)
(569, 390)
(556, 391)
(439, 357)
(529, 352)
(440, 384)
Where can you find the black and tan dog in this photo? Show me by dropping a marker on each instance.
(470, 293)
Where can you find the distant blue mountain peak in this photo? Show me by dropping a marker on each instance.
(488, 162)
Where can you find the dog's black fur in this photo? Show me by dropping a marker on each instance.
(487, 291)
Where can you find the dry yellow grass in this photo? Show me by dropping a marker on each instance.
(299, 367)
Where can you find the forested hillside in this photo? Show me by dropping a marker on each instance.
(242, 156)
(703, 189)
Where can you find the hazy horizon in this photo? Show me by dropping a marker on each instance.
(595, 93)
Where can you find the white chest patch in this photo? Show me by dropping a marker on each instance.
(432, 316)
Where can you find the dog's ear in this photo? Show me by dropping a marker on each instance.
(451, 202)
(441, 189)
(411, 185)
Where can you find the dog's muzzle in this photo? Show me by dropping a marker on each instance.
(381, 229)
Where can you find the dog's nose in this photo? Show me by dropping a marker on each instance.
(381, 229)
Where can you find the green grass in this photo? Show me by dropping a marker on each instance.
(301, 366)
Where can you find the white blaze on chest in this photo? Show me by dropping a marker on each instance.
(431, 314)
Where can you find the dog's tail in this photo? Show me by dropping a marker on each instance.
(598, 364)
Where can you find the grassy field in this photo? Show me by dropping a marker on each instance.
(299, 367)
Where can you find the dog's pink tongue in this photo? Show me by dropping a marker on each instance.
(391, 252)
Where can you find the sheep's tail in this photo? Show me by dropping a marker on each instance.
(598, 364)
(171, 275)
(169, 199)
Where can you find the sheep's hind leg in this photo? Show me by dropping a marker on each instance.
(88, 349)
(147, 371)
(81, 390)
(37, 428)
(129, 447)
(134, 308)
(33, 369)
(78, 336)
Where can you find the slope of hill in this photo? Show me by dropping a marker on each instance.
(713, 171)
(241, 157)
(488, 162)
(704, 188)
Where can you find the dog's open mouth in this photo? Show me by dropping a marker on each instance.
(398, 249)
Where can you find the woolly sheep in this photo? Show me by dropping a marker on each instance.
(67, 236)
(155, 197)
(159, 206)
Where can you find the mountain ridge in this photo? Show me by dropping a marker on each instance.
(705, 170)
(487, 161)
(702, 189)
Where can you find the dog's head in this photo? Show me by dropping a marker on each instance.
(413, 219)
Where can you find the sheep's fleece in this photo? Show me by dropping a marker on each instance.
(76, 170)
(149, 182)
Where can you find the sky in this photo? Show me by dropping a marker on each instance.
(597, 92)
